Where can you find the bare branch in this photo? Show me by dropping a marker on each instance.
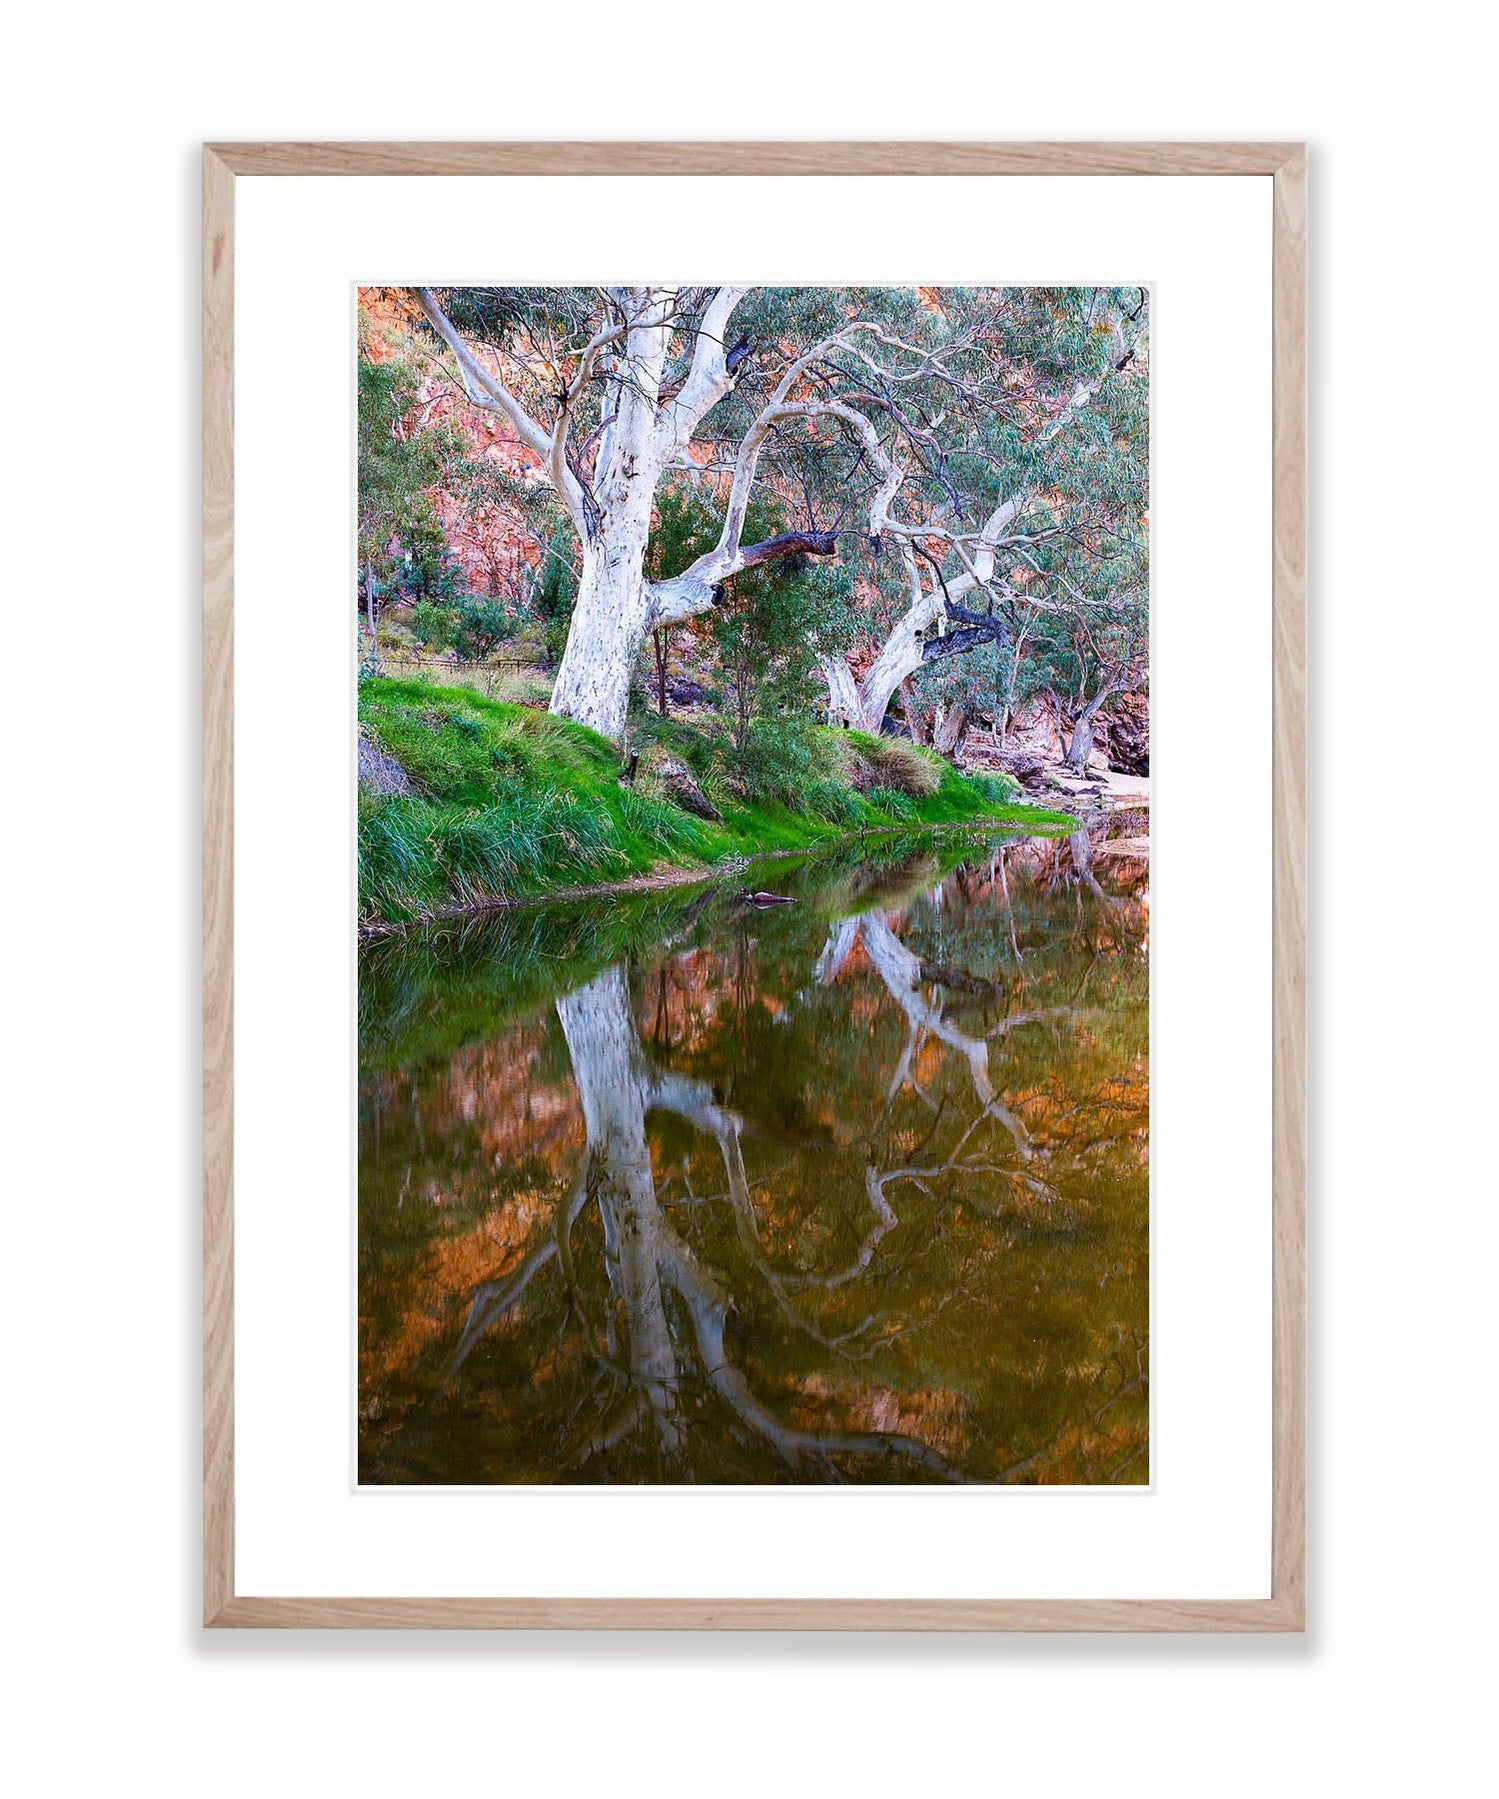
(709, 378)
(489, 391)
(479, 385)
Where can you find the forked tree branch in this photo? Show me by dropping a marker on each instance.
(490, 392)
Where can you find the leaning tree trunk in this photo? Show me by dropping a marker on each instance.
(897, 661)
(951, 729)
(908, 646)
(1081, 747)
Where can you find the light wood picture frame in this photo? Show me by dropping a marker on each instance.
(1285, 164)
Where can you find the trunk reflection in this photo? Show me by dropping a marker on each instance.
(871, 1206)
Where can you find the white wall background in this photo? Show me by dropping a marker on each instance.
(105, 109)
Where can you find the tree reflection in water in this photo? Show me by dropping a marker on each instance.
(854, 1191)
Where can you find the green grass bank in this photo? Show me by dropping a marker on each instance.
(507, 802)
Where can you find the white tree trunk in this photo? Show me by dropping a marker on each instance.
(609, 625)
(845, 708)
(900, 656)
(1081, 747)
(899, 659)
(951, 729)
(613, 610)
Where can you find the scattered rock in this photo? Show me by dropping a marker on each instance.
(1028, 770)
(379, 772)
(677, 778)
(681, 692)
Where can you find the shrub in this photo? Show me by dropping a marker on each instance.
(778, 762)
(431, 625)
(702, 753)
(891, 762)
(468, 624)
(554, 594)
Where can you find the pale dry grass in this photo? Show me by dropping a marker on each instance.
(520, 684)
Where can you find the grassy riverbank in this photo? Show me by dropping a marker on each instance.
(507, 802)
(423, 994)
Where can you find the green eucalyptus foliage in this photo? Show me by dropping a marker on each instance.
(554, 593)
(471, 626)
(770, 629)
(397, 471)
(771, 622)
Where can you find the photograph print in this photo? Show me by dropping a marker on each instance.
(753, 826)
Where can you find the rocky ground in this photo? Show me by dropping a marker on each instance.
(1116, 780)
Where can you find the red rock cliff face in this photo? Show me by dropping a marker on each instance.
(493, 542)
(1125, 736)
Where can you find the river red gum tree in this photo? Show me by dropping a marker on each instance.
(611, 389)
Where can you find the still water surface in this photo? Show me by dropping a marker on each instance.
(675, 1189)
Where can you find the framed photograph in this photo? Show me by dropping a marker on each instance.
(753, 1002)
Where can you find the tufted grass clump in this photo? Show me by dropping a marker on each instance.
(998, 789)
(892, 762)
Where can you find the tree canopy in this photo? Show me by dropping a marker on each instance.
(972, 462)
